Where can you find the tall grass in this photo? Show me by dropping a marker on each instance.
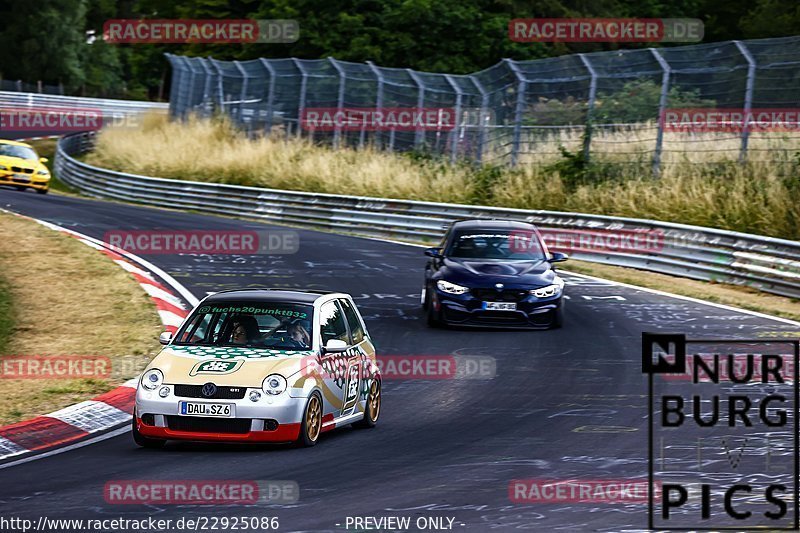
(757, 197)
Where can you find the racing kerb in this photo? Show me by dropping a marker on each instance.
(764, 263)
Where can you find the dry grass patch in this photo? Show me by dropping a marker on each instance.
(69, 300)
(757, 197)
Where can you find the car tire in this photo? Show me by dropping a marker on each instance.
(141, 440)
(558, 318)
(373, 407)
(41, 191)
(311, 426)
(20, 189)
(433, 317)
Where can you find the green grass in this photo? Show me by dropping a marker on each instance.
(89, 386)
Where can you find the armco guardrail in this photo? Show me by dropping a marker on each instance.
(109, 108)
(764, 263)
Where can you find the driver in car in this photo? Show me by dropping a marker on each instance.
(245, 330)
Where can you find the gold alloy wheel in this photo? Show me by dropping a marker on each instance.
(313, 418)
(374, 405)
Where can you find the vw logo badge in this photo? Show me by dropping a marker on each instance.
(498, 286)
(209, 390)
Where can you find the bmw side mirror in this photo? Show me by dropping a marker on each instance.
(335, 346)
(558, 257)
(165, 338)
(43, 160)
(434, 252)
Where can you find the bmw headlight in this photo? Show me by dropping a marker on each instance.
(43, 172)
(451, 288)
(3, 167)
(546, 292)
(274, 384)
(152, 379)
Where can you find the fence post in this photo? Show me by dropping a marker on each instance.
(190, 95)
(301, 105)
(378, 96)
(481, 118)
(220, 84)
(662, 105)
(207, 100)
(419, 136)
(271, 95)
(522, 86)
(454, 130)
(587, 138)
(748, 97)
(337, 132)
(243, 92)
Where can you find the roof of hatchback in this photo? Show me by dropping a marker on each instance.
(491, 224)
(267, 295)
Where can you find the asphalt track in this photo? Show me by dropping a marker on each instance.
(568, 403)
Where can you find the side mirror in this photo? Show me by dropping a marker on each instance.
(335, 346)
(434, 252)
(558, 257)
(43, 160)
(165, 338)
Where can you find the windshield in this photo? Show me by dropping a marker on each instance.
(279, 326)
(520, 245)
(23, 152)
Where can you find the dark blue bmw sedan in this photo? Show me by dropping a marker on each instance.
(494, 273)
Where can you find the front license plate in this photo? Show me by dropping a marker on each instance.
(22, 177)
(500, 306)
(223, 410)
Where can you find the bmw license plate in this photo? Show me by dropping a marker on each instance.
(22, 177)
(500, 306)
(223, 410)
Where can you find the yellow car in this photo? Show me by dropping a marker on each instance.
(21, 167)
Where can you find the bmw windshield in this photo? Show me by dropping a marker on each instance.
(514, 245)
(279, 326)
(21, 152)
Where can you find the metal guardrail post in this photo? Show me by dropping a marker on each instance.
(522, 87)
(587, 137)
(378, 96)
(271, 94)
(419, 136)
(662, 106)
(337, 132)
(482, 117)
(301, 105)
(748, 97)
(454, 130)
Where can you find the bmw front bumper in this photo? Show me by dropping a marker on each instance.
(467, 310)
